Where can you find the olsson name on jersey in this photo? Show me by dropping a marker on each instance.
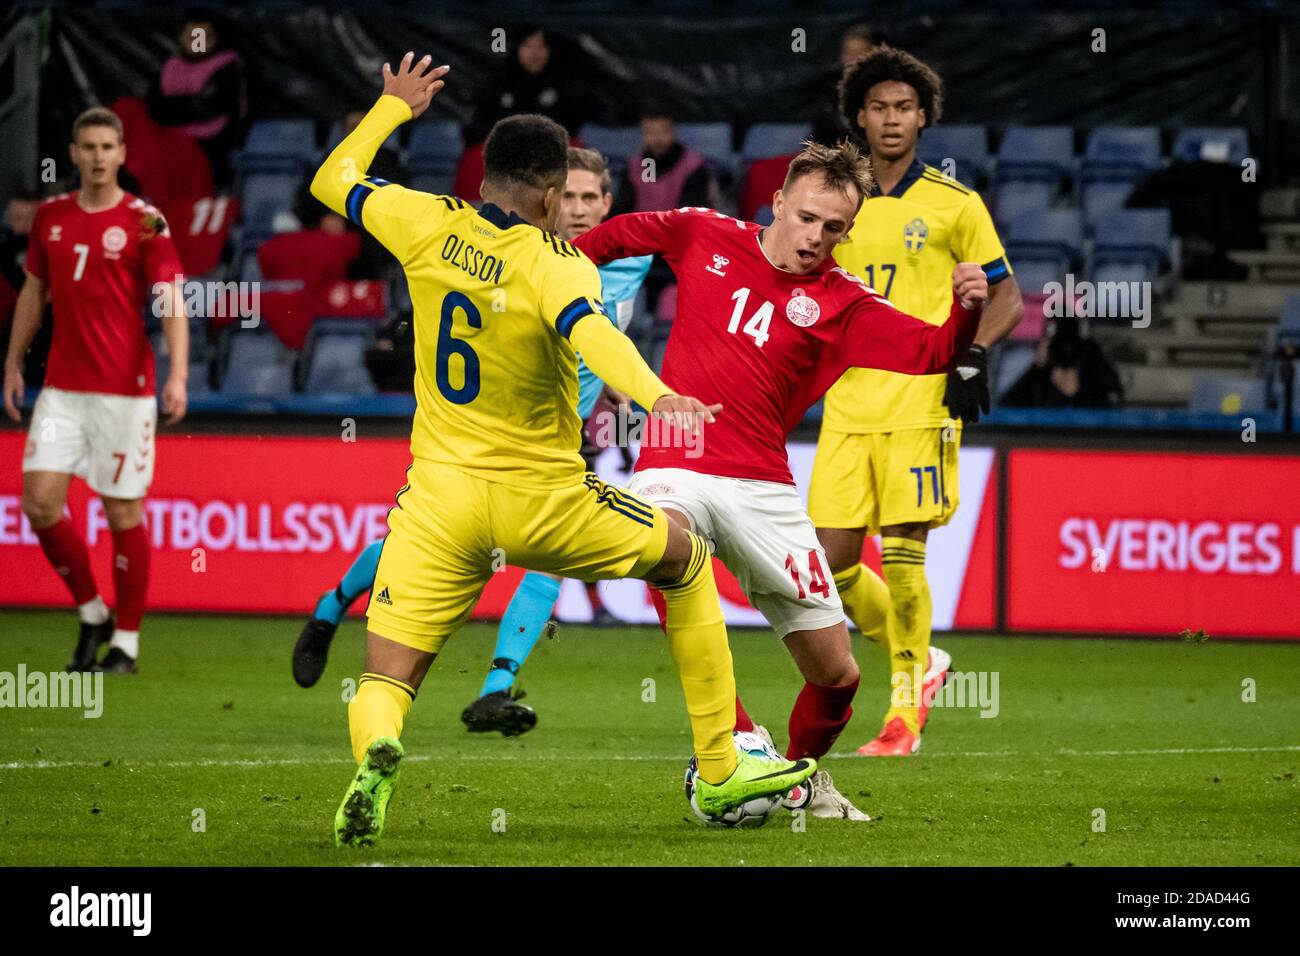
(483, 266)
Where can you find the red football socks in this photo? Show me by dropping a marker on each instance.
(68, 554)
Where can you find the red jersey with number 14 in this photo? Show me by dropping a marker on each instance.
(763, 342)
(100, 268)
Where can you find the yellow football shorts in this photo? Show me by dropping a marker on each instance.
(880, 479)
(451, 530)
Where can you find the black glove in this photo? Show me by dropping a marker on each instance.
(967, 392)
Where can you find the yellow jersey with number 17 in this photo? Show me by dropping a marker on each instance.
(496, 377)
(905, 246)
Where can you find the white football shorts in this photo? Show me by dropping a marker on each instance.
(106, 439)
(761, 531)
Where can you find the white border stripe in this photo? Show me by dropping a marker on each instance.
(624, 758)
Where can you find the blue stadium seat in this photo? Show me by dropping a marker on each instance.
(435, 147)
(763, 216)
(1225, 395)
(1036, 153)
(766, 140)
(256, 364)
(1121, 152)
(1288, 323)
(1033, 273)
(1101, 199)
(335, 136)
(1132, 238)
(712, 140)
(1053, 233)
(1217, 144)
(1011, 360)
(1017, 199)
(616, 143)
(966, 146)
(264, 195)
(335, 358)
(279, 146)
(440, 184)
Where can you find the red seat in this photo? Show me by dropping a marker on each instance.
(167, 162)
(764, 177)
(200, 228)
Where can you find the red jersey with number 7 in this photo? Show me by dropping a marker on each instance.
(101, 268)
(763, 342)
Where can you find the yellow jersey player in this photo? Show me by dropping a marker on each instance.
(887, 457)
(501, 308)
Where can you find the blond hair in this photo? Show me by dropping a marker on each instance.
(841, 166)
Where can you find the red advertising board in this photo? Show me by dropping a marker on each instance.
(1154, 543)
(236, 523)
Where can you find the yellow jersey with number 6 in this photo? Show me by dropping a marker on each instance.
(496, 377)
(905, 246)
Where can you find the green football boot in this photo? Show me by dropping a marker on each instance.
(360, 819)
(753, 777)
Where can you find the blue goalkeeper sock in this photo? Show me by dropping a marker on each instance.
(356, 582)
(520, 628)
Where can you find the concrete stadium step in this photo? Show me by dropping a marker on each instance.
(1167, 386)
(1226, 301)
(1282, 237)
(1269, 266)
(1280, 204)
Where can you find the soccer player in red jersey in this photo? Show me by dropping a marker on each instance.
(766, 322)
(98, 255)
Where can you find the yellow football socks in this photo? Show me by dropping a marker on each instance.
(697, 636)
(865, 596)
(903, 561)
(378, 709)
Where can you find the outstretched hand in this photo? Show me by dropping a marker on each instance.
(416, 84)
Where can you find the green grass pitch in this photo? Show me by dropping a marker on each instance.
(1155, 735)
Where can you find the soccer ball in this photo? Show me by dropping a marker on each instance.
(750, 814)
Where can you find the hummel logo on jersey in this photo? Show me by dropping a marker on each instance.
(719, 266)
(383, 598)
(56, 233)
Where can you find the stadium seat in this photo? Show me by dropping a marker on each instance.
(254, 364)
(1225, 395)
(1216, 144)
(1011, 362)
(393, 142)
(1033, 273)
(279, 146)
(1132, 240)
(967, 147)
(335, 358)
(1035, 153)
(712, 140)
(1100, 199)
(1124, 153)
(616, 143)
(764, 216)
(1050, 234)
(1018, 198)
(440, 184)
(766, 140)
(435, 148)
(264, 195)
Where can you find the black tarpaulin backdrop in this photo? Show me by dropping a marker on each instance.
(999, 67)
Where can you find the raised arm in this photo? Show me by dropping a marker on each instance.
(880, 336)
(636, 234)
(341, 183)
